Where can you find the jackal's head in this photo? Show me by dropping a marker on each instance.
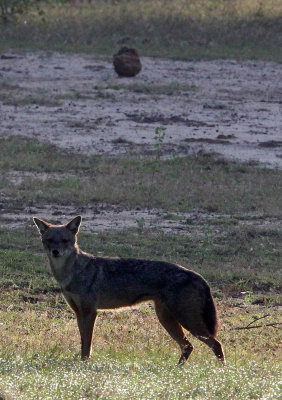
(59, 240)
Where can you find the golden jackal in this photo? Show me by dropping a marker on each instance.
(182, 298)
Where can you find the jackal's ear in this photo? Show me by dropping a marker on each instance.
(74, 225)
(41, 225)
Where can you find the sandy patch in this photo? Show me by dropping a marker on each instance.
(103, 218)
(78, 103)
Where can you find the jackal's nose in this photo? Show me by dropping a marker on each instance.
(55, 252)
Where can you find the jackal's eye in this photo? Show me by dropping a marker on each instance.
(65, 241)
(49, 240)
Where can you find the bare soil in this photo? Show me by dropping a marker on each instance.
(78, 103)
(104, 217)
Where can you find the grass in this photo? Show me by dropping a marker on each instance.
(178, 29)
(239, 259)
(244, 256)
(108, 378)
(173, 185)
(14, 95)
(170, 89)
(29, 100)
(133, 356)
(33, 155)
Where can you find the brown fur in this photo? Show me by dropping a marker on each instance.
(182, 298)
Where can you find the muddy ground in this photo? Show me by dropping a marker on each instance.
(78, 103)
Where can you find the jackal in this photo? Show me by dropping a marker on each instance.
(182, 298)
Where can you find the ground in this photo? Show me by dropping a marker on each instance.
(77, 102)
(182, 163)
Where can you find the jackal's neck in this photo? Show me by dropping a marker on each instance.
(62, 267)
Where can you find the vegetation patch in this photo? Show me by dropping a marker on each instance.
(187, 30)
(40, 352)
(243, 259)
(133, 357)
(169, 89)
(14, 95)
(180, 184)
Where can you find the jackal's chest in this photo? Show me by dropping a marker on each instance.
(61, 271)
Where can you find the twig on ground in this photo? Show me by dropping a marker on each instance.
(251, 326)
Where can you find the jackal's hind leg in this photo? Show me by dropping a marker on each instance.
(215, 345)
(175, 330)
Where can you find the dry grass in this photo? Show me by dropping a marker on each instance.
(130, 335)
(133, 358)
(194, 29)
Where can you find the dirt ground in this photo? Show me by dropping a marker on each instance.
(77, 102)
(232, 108)
(104, 217)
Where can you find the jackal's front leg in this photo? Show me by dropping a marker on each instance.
(86, 323)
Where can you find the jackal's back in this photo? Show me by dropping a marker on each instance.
(121, 282)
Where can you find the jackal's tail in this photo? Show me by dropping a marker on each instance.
(210, 314)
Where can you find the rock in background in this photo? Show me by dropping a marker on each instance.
(127, 62)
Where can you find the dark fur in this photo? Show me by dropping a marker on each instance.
(210, 314)
(182, 297)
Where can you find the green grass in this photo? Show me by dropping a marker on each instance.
(32, 155)
(175, 28)
(133, 357)
(169, 89)
(238, 259)
(14, 95)
(180, 184)
(110, 379)
(234, 256)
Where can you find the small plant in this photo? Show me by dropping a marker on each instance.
(140, 224)
(155, 162)
(249, 297)
(159, 137)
